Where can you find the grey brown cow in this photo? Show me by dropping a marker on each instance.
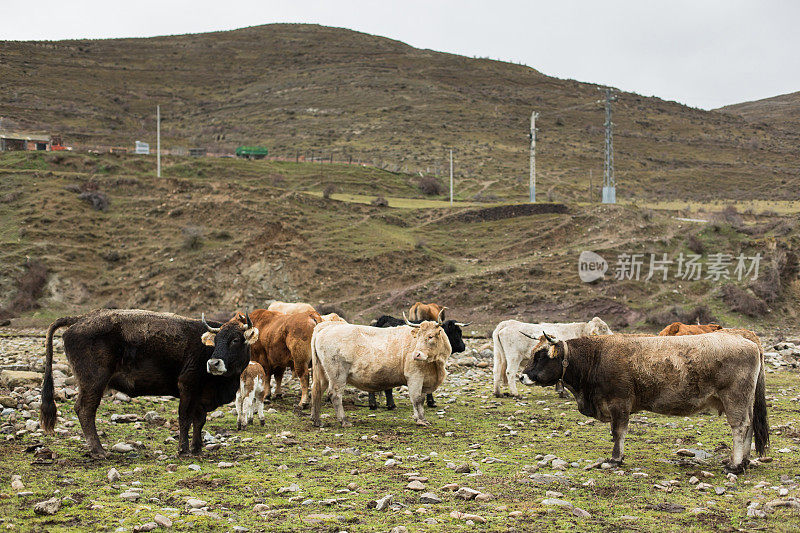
(613, 376)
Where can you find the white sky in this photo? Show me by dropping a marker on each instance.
(705, 53)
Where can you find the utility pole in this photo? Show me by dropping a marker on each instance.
(532, 135)
(451, 176)
(609, 183)
(158, 141)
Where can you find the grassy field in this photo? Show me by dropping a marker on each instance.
(338, 472)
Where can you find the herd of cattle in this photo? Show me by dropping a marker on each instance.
(206, 364)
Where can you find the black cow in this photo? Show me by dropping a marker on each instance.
(453, 331)
(142, 353)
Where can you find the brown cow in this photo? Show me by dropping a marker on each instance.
(284, 341)
(420, 312)
(678, 328)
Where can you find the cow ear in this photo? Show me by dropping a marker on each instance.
(251, 335)
(208, 338)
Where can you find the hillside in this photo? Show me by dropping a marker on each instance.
(312, 90)
(214, 235)
(780, 112)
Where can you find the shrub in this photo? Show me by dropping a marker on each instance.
(192, 237)
(743, 301)
(29, 289)
(97, 199)
(695, 244)
(430, 186)
(328, 190)
(380, 201)
(701, 314)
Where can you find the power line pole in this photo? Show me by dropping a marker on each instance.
(451, 176)
(158, 141)
(609, 183)
(532, 135)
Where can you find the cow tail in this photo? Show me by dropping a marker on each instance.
(320, 382)
(500, 361)
(760, 423)
(47, 411)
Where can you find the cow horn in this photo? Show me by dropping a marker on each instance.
(409, 323)
(209, 328)
(463, 324)
(247, 319)
(550, 339)
(439, 318)
(529, 336)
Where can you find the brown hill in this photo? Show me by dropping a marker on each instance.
(780, 112)
(298, 88)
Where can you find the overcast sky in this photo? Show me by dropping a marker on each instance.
(704, 53)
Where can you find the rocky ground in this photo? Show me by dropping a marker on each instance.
(486, 463)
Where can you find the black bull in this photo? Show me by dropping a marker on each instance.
(453, 331)
(140, 353)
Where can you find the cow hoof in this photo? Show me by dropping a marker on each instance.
(278, 396)
(262, 421)
(738, 469)
(391, 406)
(303, 405)
(345, 424)
(498, 394)
(431, 404)
(373, 407)
(316, 423)
(422, 422)
(238, 427)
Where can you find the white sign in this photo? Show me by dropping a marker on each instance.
(142, 148)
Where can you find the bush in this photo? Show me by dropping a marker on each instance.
(380, 201)
(192, 237)
(430, 186)
(729, 215)
(97, 199)
(29, 289)
(695, 244)
(328, 190)
(699, 315)
(743, 301)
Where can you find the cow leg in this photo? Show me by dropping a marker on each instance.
(278, 382)
(317, 388)
(619, 428)
(417, 399)
(239, 414)
(740, 420)
(390, 405)
(336, 398)
(511, 376)
(499, 369)
(429, 400)
(373, 402)
(260, 401)
(268, 382)
(86, 405)
(247, 408)
(302, 375)
(198, 421)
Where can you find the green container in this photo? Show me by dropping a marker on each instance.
(252, 152)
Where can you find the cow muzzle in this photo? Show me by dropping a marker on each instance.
(526, 380)
(216, 367)
(419, 356)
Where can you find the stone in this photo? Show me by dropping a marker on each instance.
(122, 447)
(261, 508)
(559, 464)
(224, 464)
(47, 507)
(484, 497)
(458, 515)
(581, 513)
(463, 469)
(124, 419)
(149, 526)
(399, 529)
(122, 397)
(466, 493)
(194, 503)
(383, 503)
(450, 486)
(556, 502)
(16, 483)
(130, 495)
(294, 487)
(11, 379)
(162, 521)
(194, 467)
(415, 485)
(429, 497)
(719, 491)
(8, 401)
(113, 475)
